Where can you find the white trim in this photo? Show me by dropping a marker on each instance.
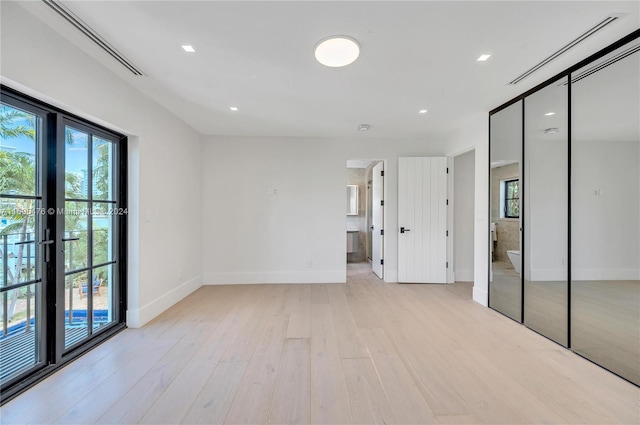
(240, 278)
(139, 317)
(481, 296)
(605, 274)
(450, 221)
(391, 276)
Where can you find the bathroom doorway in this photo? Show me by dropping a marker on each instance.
(365, 216)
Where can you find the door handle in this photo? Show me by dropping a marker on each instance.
(402, 230)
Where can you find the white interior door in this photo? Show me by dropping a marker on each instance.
(422, 220)
(377, 216)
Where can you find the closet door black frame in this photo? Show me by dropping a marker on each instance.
(564, 74)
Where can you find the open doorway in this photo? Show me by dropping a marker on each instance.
(365, 216)
(463, 215)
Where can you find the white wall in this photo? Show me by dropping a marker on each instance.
(164, 157)
(546, 202)
(250, 236)
(463, 215)
(474, 133)
(605, 218)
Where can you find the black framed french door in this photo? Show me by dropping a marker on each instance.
(62, 238)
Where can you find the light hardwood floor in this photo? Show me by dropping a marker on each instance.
(363, 352)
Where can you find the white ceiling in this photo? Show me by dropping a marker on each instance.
(258, 56)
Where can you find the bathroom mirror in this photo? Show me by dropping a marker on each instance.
(546, 205)
(505, 283)
(352, 199)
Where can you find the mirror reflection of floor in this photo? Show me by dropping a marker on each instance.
(605, 319)
(505, 290)
(545, 309)
(605, 325)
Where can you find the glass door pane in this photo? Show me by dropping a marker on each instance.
(546, 256)
(104, 224)
(505, 283)
(90, 225)
(605, 205)
(21, 305)
(76, 235)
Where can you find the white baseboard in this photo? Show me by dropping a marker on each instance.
(547, 275)
(605, 274)
(481, 296)
(464, 275)
(390, 276)
(139, 317)
(247, 278)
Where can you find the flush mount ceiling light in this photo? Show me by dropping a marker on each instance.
(337, 51)
(364, 127)
(483, 58)
(548, 114)
(188, 48)
(233, 108)
(423, 111)
(552, 130)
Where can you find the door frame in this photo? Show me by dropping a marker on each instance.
(375, 266)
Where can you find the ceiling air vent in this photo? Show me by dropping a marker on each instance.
(91, 34)
(599, 26)
(599, 66)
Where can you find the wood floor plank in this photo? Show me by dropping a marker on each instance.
(222, 355)
(319, 294)
(406, 401)
(247, 338)
(367, 399)
(329, 399)
(176, 400)
(361, 304)
(457, 419)
(350, 341)
(108, 392)
(212, 405)
(299, 320)
(429, 364)
(136, 401)
(93, 370)
(291, 399)
(252, 401)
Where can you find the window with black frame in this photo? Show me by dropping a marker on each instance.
(512, 198)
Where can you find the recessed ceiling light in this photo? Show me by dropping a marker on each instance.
(233, 108)
(188, 48)
(483, 58)
(337, 51)
(550, 113)
(422, 111)
(364, 127)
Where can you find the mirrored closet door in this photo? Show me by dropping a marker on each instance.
(605, 217)
(505, 288)
(546, 193)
